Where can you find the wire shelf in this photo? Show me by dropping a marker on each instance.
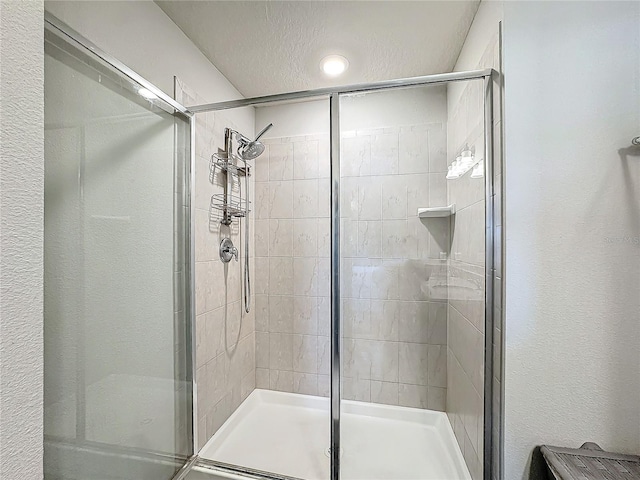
(227, 164)
(224, 207)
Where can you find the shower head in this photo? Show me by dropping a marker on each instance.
(249, 150)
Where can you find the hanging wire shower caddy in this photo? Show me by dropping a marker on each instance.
(224, 207)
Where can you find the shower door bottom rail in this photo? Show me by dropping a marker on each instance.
(246, 472)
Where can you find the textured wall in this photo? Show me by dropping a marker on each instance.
(465, 401)
(573, 188)
(21, 217)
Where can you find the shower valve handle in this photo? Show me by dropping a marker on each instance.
(228, 251)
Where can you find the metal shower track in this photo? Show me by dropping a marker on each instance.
(344, 90)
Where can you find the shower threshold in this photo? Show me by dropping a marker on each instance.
(288, 434)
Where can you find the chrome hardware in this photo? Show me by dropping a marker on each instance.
(636, 141)
(227, 250)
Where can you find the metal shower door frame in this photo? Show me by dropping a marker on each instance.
(334, 94)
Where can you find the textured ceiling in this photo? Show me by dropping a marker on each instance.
(266, 47)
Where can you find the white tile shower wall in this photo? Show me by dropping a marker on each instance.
(394, 264)
(225, 335)
(292, 265)
(394, 332)
(466, 329)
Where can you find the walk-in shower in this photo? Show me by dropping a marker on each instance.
(371, 306)
(353, 338)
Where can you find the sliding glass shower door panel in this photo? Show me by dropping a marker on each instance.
(272, 417)
(117, 389)
(399, 237)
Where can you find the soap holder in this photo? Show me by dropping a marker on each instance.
(437, 212)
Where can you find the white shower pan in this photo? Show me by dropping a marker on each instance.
(287, 433)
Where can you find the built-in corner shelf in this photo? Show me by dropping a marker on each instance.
(437, 212)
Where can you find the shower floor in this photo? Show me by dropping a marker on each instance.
(287, 433)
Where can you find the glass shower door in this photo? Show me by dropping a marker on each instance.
(402, 248)
(117, 380)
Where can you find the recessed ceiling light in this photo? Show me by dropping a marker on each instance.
(146, 93)
(334, 65)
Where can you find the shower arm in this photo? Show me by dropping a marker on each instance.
(263, 131)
